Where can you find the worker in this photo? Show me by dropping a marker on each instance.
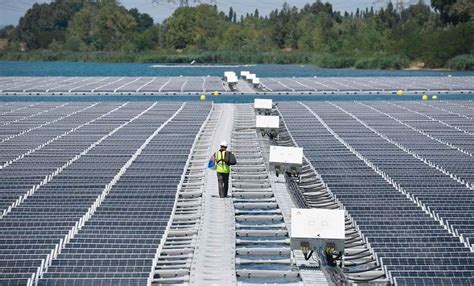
(223, 160)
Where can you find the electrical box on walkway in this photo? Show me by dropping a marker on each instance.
(263, 106)
(267, 122)
(286, 160)
(244, 74)
(268, 125)
(251, 77)
(317, 228)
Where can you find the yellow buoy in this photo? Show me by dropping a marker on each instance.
(434, 97)
(400, 92)
(216, 93)
(424, 97)
(202, 98)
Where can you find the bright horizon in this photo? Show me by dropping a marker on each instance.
(11, 11)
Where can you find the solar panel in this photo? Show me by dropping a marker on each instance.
(331, 84)
(387, 163)
(65, 85)
(68, 170)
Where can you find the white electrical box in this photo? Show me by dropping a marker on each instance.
(287, 160)
(251, 77)
(229, 73)
(267, 122)
(263, 104)
(244, 74)
(317, 228)
(286, 155)
(232, 79)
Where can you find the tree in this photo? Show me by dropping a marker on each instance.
(45, 23)
(231, 14)
(317, 33)
(6, 31)
(148, 39)
(454, 11)
(143, 20)
(198, 26)
(179, 28)
(102, 27)
(388, 16)
(416, 33)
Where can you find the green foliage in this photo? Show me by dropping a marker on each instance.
(6, 31)
(386, 38)
(334, 61)
(440, 45)
(147, 40)
(102, 27)
(44, 23)
(382, 62)
(454, 11)
(143, 20)
(12, 47)
(195, 27)
(462, 62)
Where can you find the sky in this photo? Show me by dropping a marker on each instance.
(12, 10)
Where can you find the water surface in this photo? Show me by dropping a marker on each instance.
(8, 68)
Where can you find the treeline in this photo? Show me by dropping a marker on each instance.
(440, 35)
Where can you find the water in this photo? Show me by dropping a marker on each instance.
(98, 69)
(230, 98)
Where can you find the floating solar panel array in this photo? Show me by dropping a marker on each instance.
(176, 85)
(366, 84)
(87, 189)
(98, 85)
(404, 172)
(310, 191)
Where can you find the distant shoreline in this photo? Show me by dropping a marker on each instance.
(428, 69)
(230, 59)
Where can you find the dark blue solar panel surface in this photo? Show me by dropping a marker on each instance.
(332, 84)
(118, 243)
(411, 244)
(32, 85)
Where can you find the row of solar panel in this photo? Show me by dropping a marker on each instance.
(457, 210)
(390, 221)
(137, 204)
(110, 84)
(44, 163)
(367, 83)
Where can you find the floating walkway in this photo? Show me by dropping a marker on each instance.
(214, 262)
(263, 253)
(146, 86)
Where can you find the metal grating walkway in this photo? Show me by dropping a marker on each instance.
(263, 254)
(214, 262)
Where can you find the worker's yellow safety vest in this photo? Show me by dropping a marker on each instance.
(222, 167)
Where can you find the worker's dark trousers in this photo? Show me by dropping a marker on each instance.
(223, 182)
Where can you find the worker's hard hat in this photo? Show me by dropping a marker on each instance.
(223, 144)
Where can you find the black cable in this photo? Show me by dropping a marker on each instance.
(308, 255)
